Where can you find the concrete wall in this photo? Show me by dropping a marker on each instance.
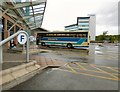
(92, 27)
(16, 75)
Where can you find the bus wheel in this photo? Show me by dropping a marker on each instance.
(43, 43)
(69, 45)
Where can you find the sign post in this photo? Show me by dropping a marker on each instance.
(22, 38)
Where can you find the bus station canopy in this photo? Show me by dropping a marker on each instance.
(28, 13)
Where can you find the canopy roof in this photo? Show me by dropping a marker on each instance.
(29, 13)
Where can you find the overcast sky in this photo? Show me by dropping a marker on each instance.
(60, 13)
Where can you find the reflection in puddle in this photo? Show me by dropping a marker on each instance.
(51, 69)
(97, 48)
(99, 52)
(96, 55)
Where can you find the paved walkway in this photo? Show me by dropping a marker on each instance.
(17, 54)
(46, 61)
(15, 59)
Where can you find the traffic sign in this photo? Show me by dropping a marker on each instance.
(22, 38)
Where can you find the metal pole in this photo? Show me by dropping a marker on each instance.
(1, 27)
(27, 49)
(1, 61)
(11, 37)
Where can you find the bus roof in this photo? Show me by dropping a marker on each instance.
(57, 32)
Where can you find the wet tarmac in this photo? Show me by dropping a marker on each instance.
(55, 79)
(105, 55)
(96, 75)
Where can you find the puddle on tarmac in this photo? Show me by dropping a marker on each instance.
(96, 55)
(99, 52)
(51, 69)
(44, 52)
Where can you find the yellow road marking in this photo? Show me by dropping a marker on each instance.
(93, 70)
(116, 69)
(96, 71)
(92, 75)
(113, 69)
(81, 66)
(105, 66)
(94, 66)
(71, 68)
(103, 71)
(97, 68)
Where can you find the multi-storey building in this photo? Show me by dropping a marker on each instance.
(84, 23)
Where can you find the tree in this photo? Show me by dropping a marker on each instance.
(103, 38)
(105, 32)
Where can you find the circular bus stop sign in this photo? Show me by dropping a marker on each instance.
(22, 38)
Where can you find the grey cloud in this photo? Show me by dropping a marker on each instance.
(108, 15)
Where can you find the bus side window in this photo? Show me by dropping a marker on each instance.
(67, 35)
(74, 35)
(77, 35)
(46, 35)
(84, 35)
(80, 35)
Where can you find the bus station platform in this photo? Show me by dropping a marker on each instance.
(74, 75)
(16, 70)
(15, 58)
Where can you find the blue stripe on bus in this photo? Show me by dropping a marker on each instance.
(60, 39)
(79, 40)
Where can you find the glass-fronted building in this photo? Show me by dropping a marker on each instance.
(84, 23)
(72, 27)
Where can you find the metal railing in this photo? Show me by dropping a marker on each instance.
(11, 37)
